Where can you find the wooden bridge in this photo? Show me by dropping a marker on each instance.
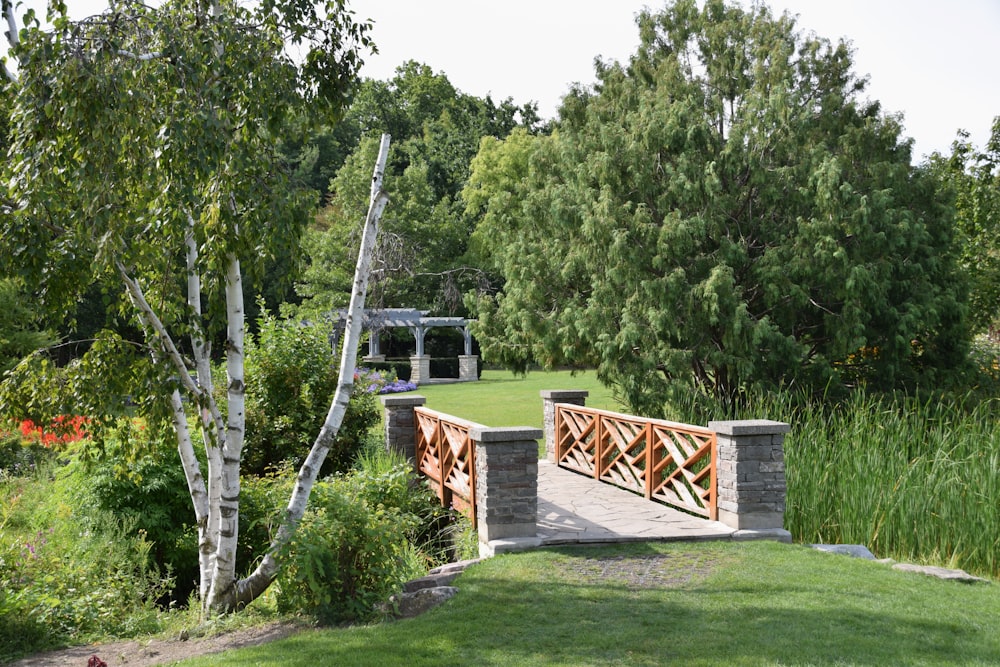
(609, 477)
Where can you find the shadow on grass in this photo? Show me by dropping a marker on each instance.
(503, 617)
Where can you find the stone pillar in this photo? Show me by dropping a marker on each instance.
(506, 488)
(468, 367)
(401, 424)
(549, 399)
(420, 369)
(751, 477)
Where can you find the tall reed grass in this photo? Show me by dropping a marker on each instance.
(914, 480)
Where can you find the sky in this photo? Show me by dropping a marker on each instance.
(933, 62)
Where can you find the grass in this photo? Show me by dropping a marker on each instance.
(709, 604)
(501, 398)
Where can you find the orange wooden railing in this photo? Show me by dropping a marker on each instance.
(446, 456)
(664, 461)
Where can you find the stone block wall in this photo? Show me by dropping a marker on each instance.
(468, 367)
(401, 424)
(751, 473)
(420, 369)
(506, 482)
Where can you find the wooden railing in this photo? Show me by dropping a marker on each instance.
(446, 456)
(664, 461)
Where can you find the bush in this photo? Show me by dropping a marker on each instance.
(357, 543)
(69, 574)
(148, 491)
(19, 458)
(291, 379)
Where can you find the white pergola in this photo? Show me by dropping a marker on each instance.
(415, 320)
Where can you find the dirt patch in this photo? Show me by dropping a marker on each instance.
(645, 571)
(149, 652)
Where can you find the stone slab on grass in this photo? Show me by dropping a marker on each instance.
(853, 550)
(941, 573)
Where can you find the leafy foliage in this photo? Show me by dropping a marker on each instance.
(355, 545)
(291, 377)
(20, 333)
(723, 210)
(70, 575)
(436, 130)
(974, 177)
(148, 492)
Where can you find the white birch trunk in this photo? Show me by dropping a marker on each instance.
(211, 436)
(196, 488)
(224, 571)
(12, 35)
(257, 582)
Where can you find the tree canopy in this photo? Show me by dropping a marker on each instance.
(436, 130)
(144, 158)
(725, 209)
(973, 174)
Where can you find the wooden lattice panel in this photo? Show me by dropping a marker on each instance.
(665, 461)
(623, 452)
(446, 456)
(576, 440)
(682, 473)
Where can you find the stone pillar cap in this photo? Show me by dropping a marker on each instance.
(556, 394)
(505, 433)
(749, 427)
(401, 401)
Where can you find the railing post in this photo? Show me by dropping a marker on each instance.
(751, 477)
(401, 424)
(549, 399)
(506, 486)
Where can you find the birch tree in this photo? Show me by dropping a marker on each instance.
(142, 157)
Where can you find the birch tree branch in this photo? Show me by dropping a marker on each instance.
(173, 355)
(265, 572)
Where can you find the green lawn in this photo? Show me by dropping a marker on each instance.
(717, 603)
(501, 398)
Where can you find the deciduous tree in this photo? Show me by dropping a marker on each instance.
(973, 174)
(436, 130)
(143, 156)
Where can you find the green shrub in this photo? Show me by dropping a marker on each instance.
(356, 545)
(69, 584)
(290, 380)
(148, 491)
(262, 504)
(19, 458)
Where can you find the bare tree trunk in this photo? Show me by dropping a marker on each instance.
(207, 542)
(257, 582)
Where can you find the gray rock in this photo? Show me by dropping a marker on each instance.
(454, 567)
(408, 605)
(431, 581)
(855, 550)
(941, 573)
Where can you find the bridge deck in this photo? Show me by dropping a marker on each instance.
(575, 509)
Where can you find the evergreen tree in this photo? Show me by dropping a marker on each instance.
(725, 209)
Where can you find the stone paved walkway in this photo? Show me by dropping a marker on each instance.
(575, 509)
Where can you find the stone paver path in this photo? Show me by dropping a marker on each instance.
(575, 509)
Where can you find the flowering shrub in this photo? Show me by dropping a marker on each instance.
(374, 382)
(63, 429)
